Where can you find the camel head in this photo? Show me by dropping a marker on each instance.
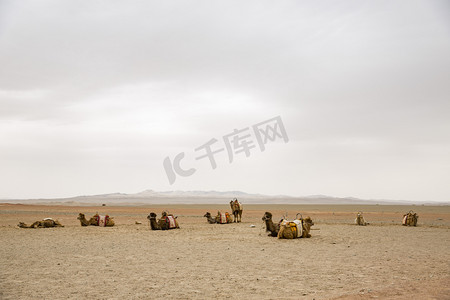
(151, 216)
(267, 216)
(308, 220)
(81, 216)
(207, 215)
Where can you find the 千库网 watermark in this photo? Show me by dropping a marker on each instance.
(236, 142)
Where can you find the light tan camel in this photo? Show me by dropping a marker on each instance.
(360, 219)
(236, 209)
(410, 219)
(96, 220)
(46, 223)
(299, 228)
(166, 222)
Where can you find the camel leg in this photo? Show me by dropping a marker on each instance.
(36, 224)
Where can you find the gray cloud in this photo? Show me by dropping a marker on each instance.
(360, 86)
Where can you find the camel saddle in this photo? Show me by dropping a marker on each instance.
(238, 204)
(296, 227)
(223, 218)
(170, 220)
(102, 220)
(405, 218)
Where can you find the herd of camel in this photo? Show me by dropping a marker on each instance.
(298, 228)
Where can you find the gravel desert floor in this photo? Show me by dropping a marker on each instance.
(383, 260)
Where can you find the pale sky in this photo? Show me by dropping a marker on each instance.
(94, 95)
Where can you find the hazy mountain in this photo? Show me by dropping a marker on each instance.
(201, 197)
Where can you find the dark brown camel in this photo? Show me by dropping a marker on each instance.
(96, 220)
(270, 226)
(210, 219)
(166, 222)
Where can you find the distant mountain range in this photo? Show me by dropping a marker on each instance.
(148, 197)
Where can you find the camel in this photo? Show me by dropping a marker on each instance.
(221, 218)
(236, 209)
(96, 220)
(410, 219)
(270, 226)
(83, 220)
(299, 228)
(210, 219)
(166, 222)
(360, 219)
(46, 223)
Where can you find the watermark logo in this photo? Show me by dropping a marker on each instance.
(237, 142)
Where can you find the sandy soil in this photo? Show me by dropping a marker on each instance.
(129, 261)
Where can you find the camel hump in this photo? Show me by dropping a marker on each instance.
(223, 218)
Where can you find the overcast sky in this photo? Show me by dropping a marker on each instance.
(95, 95)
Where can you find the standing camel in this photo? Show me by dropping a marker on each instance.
(236, 208)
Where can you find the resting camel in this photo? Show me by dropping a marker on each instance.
(360, 219)
(236, 209)
(221, 218)
(96, 220)
(46, 223)
(299, 228)
(166, 222)
(270, 226)
(410, 219)
(210, 219)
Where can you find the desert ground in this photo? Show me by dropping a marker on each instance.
(383, 260)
